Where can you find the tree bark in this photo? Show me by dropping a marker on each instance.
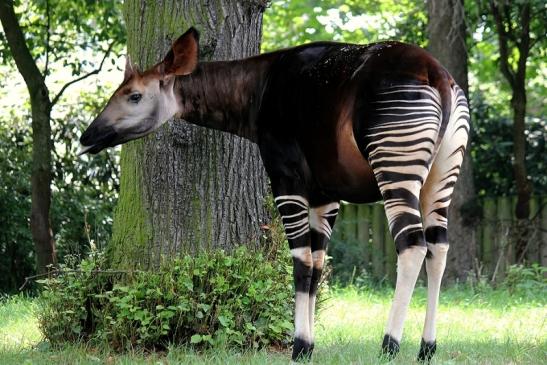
(44, 245)
(447, 33)
(186, 188)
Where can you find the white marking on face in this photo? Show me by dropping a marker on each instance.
(156, 105)
(140, 107)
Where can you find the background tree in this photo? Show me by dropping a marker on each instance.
(186, 188)
(63, 22)
(447, 42)
(84, 190)
(519, 26)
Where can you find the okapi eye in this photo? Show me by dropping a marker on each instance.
(135, 98)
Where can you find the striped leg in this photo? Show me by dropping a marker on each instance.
(294, 213)
(400, 144)
(322, 220)
(435, 199)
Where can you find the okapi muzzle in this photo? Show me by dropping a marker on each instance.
(144, 100)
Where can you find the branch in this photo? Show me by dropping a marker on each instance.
(59, 272)
(507, 18)
(19, 49)
(502, 39)
(94, 72)
(48, 26)
(524, 44)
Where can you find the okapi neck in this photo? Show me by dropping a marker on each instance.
(225, 95)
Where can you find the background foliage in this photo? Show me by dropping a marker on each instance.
(67, 34)
(301, 21)
(85, 189)
(67, 39)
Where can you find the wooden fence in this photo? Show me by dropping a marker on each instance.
(361, 239)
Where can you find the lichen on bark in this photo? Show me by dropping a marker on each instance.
(131, 229)
(185, 188)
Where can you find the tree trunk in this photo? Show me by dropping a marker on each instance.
(510, 38)
(447, 35)
(40, 225)
(524, 189)
(41, 176)
(187, 188)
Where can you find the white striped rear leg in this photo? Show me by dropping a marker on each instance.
(409, 263)
(401, 141)
(294, 211)
(435, 199)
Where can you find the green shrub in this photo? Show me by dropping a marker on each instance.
(239, 299)
(526, 279)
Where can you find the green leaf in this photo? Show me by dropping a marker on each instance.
(224, 321)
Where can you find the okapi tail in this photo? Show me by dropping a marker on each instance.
(455, 116)
(443, 82)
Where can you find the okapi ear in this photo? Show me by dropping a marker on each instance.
(130, 68)
(182, 59)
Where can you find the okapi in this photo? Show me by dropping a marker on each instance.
(333, 121)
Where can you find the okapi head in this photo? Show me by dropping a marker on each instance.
(144, 100)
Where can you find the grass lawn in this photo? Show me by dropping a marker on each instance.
(484, 327)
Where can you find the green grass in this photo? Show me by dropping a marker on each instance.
(474, 327)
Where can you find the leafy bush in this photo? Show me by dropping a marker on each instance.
(491, 149)
(239, 299)
(526, 279)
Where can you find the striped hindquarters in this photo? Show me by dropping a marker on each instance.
(400, 144)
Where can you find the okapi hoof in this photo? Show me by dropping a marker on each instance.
(427, 350)
(390, 347)
(302, 350)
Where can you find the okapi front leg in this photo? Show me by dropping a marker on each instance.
(322, 220)
(294, 214)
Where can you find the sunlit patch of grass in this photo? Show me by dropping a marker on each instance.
(18, 325)
(474, 327)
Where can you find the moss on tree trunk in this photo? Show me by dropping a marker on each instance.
(185, 188)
